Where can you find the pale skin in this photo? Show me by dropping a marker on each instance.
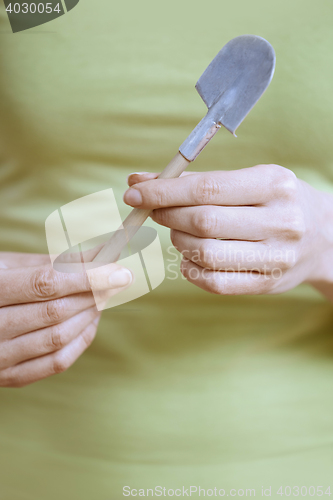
(258, 230)
(47, 318)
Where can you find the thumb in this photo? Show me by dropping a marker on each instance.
(109, 277)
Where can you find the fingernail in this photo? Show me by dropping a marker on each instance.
(133, 197)
(96, 320)
(120, 278)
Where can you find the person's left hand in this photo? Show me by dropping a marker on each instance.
(251, 231)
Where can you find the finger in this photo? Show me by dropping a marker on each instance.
(33, 284)
(236, 223)
(31, 371)
(249, 186)
(227, 283)
(72, 262)
(16, 259)
(20, 319)
(109, 277)
(137, 177)
(46, 340)
(102, 297)
(224, 255)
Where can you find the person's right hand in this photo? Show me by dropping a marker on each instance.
(47, 318)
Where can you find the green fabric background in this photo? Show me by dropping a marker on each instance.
(180, 387)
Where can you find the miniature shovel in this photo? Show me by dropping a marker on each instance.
(230, 86)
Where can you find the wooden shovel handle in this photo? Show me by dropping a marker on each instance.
(176, 167)
(112, 248)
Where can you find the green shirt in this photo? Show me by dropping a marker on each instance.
(180, 387)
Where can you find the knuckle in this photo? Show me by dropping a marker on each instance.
(4, 353)
(44, 283)
(294, 226)
(287, 262)
(176, 239)
(207, 189)
(183, 267)
(88, 337)
(282, 258)
(53, 311)
(285, 184)
(56, 338)
(284, 265)
(217, 286)
(160, 216)
(206, 253)
(8, 380)
(272, 169)
(159, 197)
(215, 282)
(263, 285)
(173, 237)
(60, 364)
(4, 359)
(204, 221)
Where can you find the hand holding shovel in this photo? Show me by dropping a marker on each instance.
(230, 86)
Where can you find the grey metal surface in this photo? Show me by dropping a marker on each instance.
(230, 86)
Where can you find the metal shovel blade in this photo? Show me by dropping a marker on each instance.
(230, 86)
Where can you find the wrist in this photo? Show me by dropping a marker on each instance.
(321, 276)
